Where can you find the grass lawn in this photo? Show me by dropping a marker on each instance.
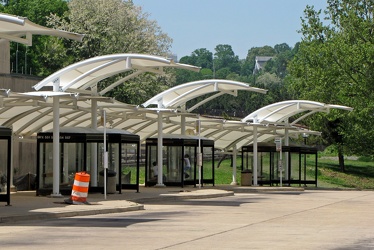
(358, 174)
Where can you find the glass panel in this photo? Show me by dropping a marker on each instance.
(72, 161)
(129, 164)
(248, 160)
(113, 161)
(189, 162)
(264, 169)
(151, 171)
(174, 164)
(46, 165)
(207, 163)
(294, 165)
(3, 165)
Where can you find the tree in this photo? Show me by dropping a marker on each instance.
(200, 57)
(335, 64)
(112, 26)
(116, 26)
(226, 58)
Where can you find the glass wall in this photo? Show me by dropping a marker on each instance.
(3, 166)
(179, 163)
(71, 162)
(270, 164)
(129, 162)
(85, 152)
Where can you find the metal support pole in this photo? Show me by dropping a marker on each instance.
(255, 156)
(234, 153)
(159, 151)
(56, 143)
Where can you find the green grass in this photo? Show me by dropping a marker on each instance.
(358, 174)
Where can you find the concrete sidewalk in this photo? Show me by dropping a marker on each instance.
(25, 205)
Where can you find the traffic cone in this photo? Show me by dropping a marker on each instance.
(79, 192)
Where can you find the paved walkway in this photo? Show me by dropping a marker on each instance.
(25, 205)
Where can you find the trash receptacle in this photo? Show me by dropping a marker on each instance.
(111, 181)
(246, 177)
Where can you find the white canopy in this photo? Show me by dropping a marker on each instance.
(86, 74)
(280, 112)
(14, 28)
(178, 96)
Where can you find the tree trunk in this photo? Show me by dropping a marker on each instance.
(341, 159)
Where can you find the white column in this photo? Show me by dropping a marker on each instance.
(94, 159)
(255, 156)
(159, 151)
(183, 125)
(286, 143)
(234, 153)
(56, 145)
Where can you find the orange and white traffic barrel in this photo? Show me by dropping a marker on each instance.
(79, 192)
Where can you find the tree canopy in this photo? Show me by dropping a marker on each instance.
(335, 64)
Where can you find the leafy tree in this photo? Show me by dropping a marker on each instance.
(200, 57)
(116, 26)
(226, 58)
(112, 26)
(335, 64)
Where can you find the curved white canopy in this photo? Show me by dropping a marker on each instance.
(13, 28)
(280, 112)
(178, 96)
(86, 74)
(29, 113)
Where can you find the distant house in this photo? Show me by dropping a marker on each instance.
(260, 62)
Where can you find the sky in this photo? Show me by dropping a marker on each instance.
(242, 24)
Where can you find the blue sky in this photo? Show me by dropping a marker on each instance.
(243, 24)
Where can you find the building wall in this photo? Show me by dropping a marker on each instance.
(4, 56)
(24, 158)
(18, 82)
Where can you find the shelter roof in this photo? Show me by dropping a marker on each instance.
(280, 112)
(14, 28)
(86, 74)
(178, 96)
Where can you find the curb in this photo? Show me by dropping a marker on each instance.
(184, 196)
(54, 215)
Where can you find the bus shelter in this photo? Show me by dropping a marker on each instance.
(81, 150)
(5, 157)
(271, 168)
(180, 161)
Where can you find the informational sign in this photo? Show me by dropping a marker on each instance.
(278, 144)
(197, 126)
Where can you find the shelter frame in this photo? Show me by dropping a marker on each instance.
(86, 142)
(268, 164)
(174, 149)
(5, 151)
